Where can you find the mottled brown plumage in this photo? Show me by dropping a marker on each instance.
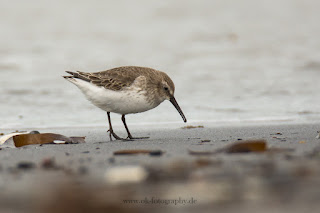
(121, 77)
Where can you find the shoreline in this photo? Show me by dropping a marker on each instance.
(175, 125)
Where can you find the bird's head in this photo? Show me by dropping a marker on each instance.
(166, 90)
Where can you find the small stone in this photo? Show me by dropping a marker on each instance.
(156, 153)
(26, 165)
(48, 163)
(111, 160)
(82, 170)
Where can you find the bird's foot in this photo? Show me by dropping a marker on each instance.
(112, 134)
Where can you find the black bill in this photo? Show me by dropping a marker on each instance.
(176, 105)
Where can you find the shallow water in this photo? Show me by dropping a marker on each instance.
(231, 61)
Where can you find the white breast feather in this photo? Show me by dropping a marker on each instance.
(131, 100)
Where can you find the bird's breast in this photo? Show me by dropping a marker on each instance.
(127, 101)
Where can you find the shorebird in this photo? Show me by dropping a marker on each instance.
(126, 90)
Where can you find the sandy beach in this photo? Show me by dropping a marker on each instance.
(71, 177)
(243, 70)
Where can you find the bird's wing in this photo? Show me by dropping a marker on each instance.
(114, 79)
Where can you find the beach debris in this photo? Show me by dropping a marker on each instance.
(247, 146)
(318, 136)
(156, 153)
(203, 142)
(8, 138)
(111, 160)
(302, 141)
(203, 162)
(25, 165)
(45, 138)
(191, 152)
(19, 139)
(82, 170)
(138, 151)
(278, 133)
(279, 138)
(192, 127)
(125, 174)
(49, 163)
(237, 147)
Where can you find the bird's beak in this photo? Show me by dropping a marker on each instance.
(176, 105)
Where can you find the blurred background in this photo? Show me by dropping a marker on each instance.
(231, 61)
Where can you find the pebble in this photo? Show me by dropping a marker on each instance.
(26, 165)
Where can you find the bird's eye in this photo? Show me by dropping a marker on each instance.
(166, 88)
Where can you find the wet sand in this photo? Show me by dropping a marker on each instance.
(240, 60)
(72, 177)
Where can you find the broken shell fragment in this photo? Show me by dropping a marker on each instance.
(125, 174)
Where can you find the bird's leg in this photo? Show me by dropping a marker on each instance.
(129, 134)
(111, 133)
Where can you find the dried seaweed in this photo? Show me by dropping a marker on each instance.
(138, 151)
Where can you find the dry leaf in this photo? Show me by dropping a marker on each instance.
(44, 138)
(5, 138)
(237, 147)
(19, 139)
(247, 146)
